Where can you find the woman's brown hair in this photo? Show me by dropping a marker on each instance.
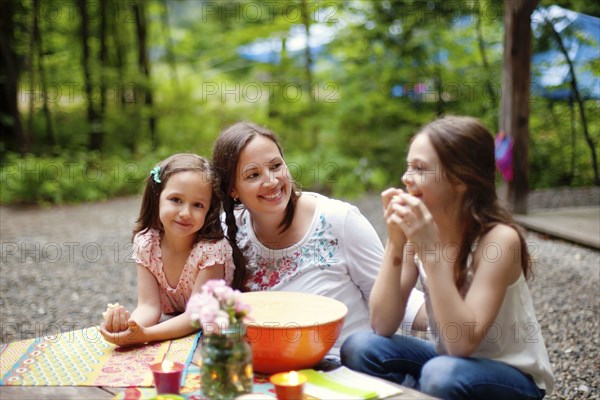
(466, 151)
(226, 154)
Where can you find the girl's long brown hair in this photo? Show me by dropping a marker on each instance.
(226, 154)
(466, 151)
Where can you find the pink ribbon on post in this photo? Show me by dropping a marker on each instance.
(503, 153)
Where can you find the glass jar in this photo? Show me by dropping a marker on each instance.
(226, 364)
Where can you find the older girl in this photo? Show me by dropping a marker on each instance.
(448, 228)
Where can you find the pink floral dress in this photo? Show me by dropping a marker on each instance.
(147, 253)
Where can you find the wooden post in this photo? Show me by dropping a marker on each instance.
(514, 107)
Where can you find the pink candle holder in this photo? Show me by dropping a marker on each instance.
(167, 377)
(289, 385)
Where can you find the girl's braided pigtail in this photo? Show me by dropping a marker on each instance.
(238, 257)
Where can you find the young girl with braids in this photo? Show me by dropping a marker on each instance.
(448, 229)
(178, 245)
(293, 241)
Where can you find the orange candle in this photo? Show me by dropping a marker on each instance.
(289, 385)
(167, 376)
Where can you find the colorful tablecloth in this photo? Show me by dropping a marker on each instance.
(84, 358)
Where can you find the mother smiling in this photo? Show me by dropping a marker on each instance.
(294, 241)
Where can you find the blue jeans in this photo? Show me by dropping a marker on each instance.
(413, 362)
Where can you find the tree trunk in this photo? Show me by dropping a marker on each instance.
(92, 116)
(280, 74)
(437, 75)
(573, 142)
(306, 21)
(308, 62)
(514, 107)
(144, 65)
(50, 141)
(119, 61)
(170, 53)
(486, 65)
(98, 134)
(11, 129)
(31, 66)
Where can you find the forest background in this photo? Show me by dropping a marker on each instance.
(105, 89)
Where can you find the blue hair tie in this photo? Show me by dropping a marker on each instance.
(156, 174)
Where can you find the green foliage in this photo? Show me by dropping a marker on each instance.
(345, 116)
(559, 154)
(335, 174)
(81, 177)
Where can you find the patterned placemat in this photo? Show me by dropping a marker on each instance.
(84, 358)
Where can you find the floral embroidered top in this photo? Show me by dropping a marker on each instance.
(147, 252)
(338, 257)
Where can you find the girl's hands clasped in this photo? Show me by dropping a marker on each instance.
(408, 219)
(390, 199)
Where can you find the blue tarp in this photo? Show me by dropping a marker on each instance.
(580, 34)
(269, 50)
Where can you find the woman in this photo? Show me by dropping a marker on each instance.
(296, 241)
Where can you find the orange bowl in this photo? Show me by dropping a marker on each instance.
(291, 330)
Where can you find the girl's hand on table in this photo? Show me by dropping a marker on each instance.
(115, 318)
(132, 335)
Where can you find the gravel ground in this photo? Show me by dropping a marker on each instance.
(60, 267)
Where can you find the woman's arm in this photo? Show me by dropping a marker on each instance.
(363, 251)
